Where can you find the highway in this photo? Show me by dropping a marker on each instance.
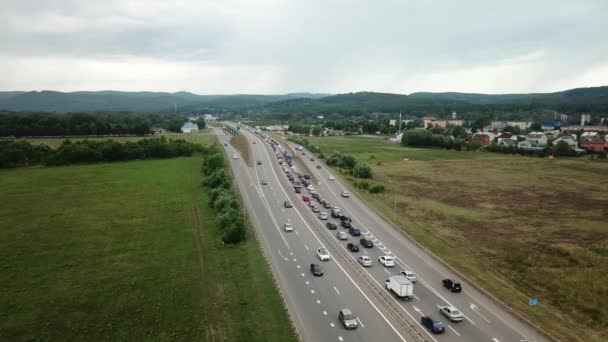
(313, 302)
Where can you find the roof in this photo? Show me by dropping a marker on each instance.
(505, 135)
(189, 125)
(431, 118)
(551, 124)
(591, 138)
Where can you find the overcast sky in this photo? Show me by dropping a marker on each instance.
(280, 46)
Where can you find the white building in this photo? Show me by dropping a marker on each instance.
(189, 127)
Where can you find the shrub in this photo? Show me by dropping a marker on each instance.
(376, 188)
(362, 170)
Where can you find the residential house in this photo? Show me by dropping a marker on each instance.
(158, 131)
(446, 123)
(534, 141)
(483, 138)
(189, 127)
(572, 143)
(594, 143)
(397, 138)
(429, 121)
(508, 142)
(505, 135)
(550, 126)
(500, 125)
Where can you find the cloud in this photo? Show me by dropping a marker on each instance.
(272, 46)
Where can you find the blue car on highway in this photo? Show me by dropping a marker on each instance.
(354, 231)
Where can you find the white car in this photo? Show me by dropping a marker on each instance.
(323, 215)
(288, 227)
(451, 313)
(235, 156)
(323, 254)
(336, 210)
(342, 235)
(310, 188)
(345, 194)
(365, 261)
(387, 261)
(409, 275)
(332, 178)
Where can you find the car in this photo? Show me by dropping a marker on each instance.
(323, 254)
(334, 214)
(332, 178)
(336, 210)
(451, 313)
(354, 231)
(235, 156)
(365, 261)
(315, 208)
(387, 261)
(259, 162)
(345, 224)
(435, 326)
(344, 194)
(306, 199)
(311, 204)
(326, 205)
(310, 188)
(316, 270)
(318, 166)
(331, 225)
(321, 200)
(409, 275)
(348, 320)
(288, 227)
(225, 144)
(345, 218)
(254, 142)
(314, 195)
(452, 285)
(352, 247)
(287, 204)
(342, 236)
(303, 153)
(306, 176)
(323, 215)
(312, 159)
(366, 243)
(264, 182)
(298, 190)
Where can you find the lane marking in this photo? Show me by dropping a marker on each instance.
(340, 338)
(332, 325)
(305, 246)
(495, 339)
(302, 274)
(298, 266)
(307, 282)
(358, 320)
(454, 330)
(476, 310)
(365, 251)
(312, 291)
(336, 290)
(417, 310)
(318, 301)
(385, 270)
(325, 313)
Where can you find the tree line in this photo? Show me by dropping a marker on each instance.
(222, 197)
(15, 153)
(31, 124)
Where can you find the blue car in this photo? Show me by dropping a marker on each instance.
(354, 231)
(435, 326)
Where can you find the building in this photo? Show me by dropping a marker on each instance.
(534, 140)
(210, 117)
(585, 119)
(572, 143)
(505, 135)
(158, 131)
(446, 123)
(500, 125)
(392, 123)
(483, 138)
(397, 138)
(508, 142)
(550, 126)
(594, 143)
(429, 121)
(189, 127)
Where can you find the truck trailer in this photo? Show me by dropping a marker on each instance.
(401, 286)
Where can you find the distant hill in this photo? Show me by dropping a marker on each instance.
(133, 101)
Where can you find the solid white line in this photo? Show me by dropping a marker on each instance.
(364, 251)
(455, 332)
(336, 290)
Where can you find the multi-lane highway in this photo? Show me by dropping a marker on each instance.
(313, 302)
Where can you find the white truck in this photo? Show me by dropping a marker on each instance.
(402, 287)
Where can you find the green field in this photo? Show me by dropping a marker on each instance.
(521, 227)
(127, 251)
(203, 136)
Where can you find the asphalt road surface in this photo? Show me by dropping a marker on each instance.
(313, 302)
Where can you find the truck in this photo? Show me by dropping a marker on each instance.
(401, 286)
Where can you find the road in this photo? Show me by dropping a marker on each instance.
(383, 316)
(313, 302)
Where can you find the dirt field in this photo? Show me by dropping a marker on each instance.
(522, 227)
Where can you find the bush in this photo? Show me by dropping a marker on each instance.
(362, 170)
(361, 185)
(376, 188)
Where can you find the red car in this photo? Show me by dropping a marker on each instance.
(305, 198)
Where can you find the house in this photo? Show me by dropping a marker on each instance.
(429, 121)
(446, 123)
(550, 126)
(500, 125)
(397, 138)
(572, 143)
(505, 135)
(158, 131)
(508, 142)
(534, 141)
(189, 127)
(594, 143)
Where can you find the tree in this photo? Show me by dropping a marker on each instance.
(512, 129)
(535, 127)
(561, 149)
(362, 170)
(201, 123)
(316, 130)
(459, 132)
(417, 138)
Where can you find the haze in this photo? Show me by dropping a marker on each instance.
(264, 47)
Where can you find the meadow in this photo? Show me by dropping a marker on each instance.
(127, 251)
(521, 227)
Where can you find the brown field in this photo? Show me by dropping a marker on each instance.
(521, 227)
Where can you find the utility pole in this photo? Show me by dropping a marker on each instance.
(399, 122)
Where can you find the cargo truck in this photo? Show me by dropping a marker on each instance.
(401, 286)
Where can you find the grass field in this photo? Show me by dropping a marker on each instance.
(521, 227)
(202, 136)
(126, 251)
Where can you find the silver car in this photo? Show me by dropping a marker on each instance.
(411, 276)
(342, 235)
(451, 313)
(348, 320)
(365, 261)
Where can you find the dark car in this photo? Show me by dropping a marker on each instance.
(306, 176)
(435, 326)
(452, 285)
(345, 218)
(312, 159)
(346, 224)
(259, 162)
(316, 270)
(331, 225)
(287, 204)
(318, 166)
(354, 231)
(366, 243)
(264, 182)
(352, 247)
(335, 214)
(315, 195)
(298, 190)
(225, 144)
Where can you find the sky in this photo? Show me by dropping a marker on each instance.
(322, 46)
